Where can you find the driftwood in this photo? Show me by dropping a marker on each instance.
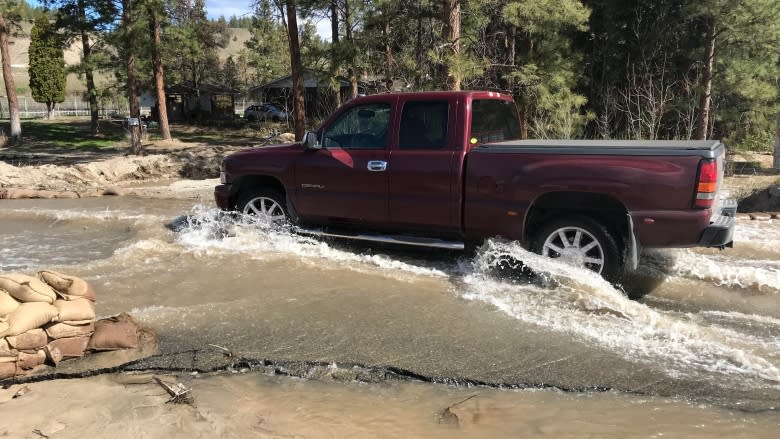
(180, 394)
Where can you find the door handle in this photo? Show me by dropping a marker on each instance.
(377, 165)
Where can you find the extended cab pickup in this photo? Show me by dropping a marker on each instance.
(446, 169)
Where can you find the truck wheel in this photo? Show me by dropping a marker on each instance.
(582, 242)
(264, 202)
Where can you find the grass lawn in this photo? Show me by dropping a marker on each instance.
(70, 134)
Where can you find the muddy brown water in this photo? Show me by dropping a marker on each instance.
(701, 337)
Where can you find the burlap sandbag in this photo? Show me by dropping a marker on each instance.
(29, 316)
(6, 351)
(53, 354)
(118, 332)
(68, 287)
(7, 303)
(70, 347)
(7, 370)
(64, 330)
(27, 288)
(30, 361)
(74, 310)
(32, 339)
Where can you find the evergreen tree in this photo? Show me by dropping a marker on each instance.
(47, 65)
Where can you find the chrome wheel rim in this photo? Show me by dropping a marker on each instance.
(265, 207)
(575, 246)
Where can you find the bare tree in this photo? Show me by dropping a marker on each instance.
(709, 65)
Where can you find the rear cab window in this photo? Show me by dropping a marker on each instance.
(493, 120)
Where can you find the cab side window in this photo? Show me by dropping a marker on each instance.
(360, 127)
(493, 121)
(424, 125)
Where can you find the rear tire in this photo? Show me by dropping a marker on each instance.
(581, 241)
(264, 202)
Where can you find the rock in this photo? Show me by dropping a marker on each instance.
(774, 191)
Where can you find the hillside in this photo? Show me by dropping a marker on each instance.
(75, 85)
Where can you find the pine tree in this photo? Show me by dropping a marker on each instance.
(47, 65)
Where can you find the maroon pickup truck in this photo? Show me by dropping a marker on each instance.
(446, 169)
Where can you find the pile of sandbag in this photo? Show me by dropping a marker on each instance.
(52, 318)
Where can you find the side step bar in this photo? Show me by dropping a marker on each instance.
(387, 239)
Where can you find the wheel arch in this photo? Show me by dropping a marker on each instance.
(602, 208)
(247, 182)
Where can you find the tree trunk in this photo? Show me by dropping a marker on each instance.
(334, 32)
(86, 49)
(159, 75)
(452, 36)
(352, 70)
(299, 108)
(706, 99)
(136, 146)
(388, 55)
(49, 110)
(10, 87)
(418, 50)
(334, 21)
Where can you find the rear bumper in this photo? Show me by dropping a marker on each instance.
(720, 232)
(222, 196)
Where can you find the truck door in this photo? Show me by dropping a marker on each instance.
(346, 180)
(423, 167)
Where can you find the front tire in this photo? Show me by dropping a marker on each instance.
(580, 241)
(266, 203)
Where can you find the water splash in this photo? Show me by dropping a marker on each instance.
(578, 302)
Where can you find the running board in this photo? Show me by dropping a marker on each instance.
(387, 239)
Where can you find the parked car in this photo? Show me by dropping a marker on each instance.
(447, 170)
(264, 112)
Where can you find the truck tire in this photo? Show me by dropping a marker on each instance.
(581, 241)
(264, 201)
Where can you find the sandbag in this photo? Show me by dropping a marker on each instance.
(3, 326)
(7, 370)
(32, 339)
(29, 316)
(69, 347)
(53, 354)
(27, 288)
(30, 361)
(74, 310)
(64, 330)
(7, 303)
(68, 287)
(6, 351)
(118, 332)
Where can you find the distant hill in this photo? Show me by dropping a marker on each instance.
(75, 85)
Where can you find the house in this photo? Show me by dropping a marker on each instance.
(185, 102)
(319, 92)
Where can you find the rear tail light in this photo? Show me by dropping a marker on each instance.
(706, 184)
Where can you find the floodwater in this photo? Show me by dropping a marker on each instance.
(694, 352)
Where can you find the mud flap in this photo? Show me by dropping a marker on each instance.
(632, 247)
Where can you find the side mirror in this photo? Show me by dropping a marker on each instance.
(310, 140)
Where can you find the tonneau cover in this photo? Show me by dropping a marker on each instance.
(703, 148)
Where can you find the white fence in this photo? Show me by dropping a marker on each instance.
(72, 106)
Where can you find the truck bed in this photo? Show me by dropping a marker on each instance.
(701, 148)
